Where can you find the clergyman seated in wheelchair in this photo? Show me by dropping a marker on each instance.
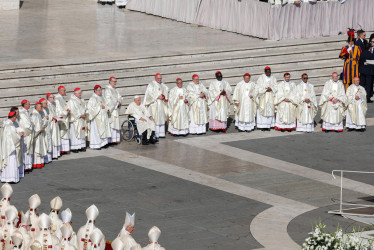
(144, 122)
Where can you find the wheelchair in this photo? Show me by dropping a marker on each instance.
(129, 131)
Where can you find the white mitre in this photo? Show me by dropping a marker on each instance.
(130, 220)
(92, 212)
(66, 215)
(34, 202)
(56, 204)
(6, 190)
(154, 234)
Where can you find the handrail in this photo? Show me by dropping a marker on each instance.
(341, 183)
(350, 171)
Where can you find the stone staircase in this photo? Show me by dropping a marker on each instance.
(317, 57)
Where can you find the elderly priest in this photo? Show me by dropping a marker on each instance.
(144, 121)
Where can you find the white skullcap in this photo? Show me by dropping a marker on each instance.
(135, 97)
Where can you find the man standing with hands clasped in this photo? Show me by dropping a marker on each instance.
(156, 100)
(266, 88)
(113, 100)
(219, 103)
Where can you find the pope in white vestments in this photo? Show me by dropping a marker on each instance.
(286, 104)
(178, 110)
(307, 105)
(78, 125)
(48, 133)
(356, 106)
(332, 105)
(11, 154)
(156, 99)
(266, 88)
(126, 231)
(113, 100)
(40, 150)
(144, 121)
(219, 103)
(63, 114)
(98, 118)
(27, 141)
(153, 236)
(55, 128)
(245, 104)
(197, 98)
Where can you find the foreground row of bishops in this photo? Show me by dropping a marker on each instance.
(266, 104)
(31, 138)
(33, 231)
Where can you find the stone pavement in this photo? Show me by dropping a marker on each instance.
(68, 29)
(217, 191)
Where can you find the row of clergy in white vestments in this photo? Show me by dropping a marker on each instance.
(265, 104)
(35, 231)
(31, 139)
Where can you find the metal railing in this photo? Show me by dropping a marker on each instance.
(341, 188)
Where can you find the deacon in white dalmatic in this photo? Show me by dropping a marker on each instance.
(126, 231)
(153, 236)
(113, 100)
(144, 121)
(78, 125)
(64, 115)
(332, 105)
(245, 104)
(286, 104)
(27, 141)
(307, 105)
(85, 231)
(10, 151)
(266, 88)
(156, 99)
(40, 150)
(178, 110)
(99, 121)
(219, 103)
(356, 106)
(197, 98)
(55, 128)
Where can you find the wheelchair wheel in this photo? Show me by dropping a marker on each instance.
(138, 140)
(127, 130)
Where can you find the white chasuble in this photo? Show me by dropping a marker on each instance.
(178, 109)
(158, 108)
